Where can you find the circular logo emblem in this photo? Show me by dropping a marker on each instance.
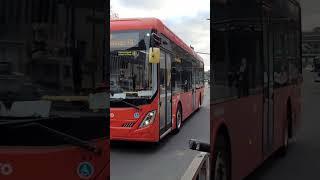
(85, 170)
(111, 115)
(136, 115)
(6, 169)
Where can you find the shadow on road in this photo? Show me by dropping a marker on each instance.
(140, 147)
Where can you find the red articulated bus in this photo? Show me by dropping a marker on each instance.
(156, 80)
(256, 95)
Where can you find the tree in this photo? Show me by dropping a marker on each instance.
(113, 15)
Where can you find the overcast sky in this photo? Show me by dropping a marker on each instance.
(186, 18)
(310, 14)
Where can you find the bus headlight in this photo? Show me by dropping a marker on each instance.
(148, 119)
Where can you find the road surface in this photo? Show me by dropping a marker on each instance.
(167, 160)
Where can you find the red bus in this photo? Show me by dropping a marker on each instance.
(156, 80)
(53, 122)
(45, 134)
(256, 95)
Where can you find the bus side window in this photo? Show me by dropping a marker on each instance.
(176, 77)
(162, 70)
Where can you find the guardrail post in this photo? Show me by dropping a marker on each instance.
(199, 169)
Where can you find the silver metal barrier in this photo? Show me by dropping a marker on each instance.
(199, 169)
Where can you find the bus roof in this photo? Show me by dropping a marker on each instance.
(151, 23)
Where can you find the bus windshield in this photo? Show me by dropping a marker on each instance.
(131, 75)
(53, 91)
(29, 107)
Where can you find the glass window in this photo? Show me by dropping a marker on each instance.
(187, 73)
(162, 71)
(237, 63)
(194, 72)
(223, 81)
(131, 74)
(202, 73)
(64, 92)
(176, 75)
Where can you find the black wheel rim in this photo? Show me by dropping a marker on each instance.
(179, 119)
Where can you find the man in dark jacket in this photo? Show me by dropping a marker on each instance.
(243, 79)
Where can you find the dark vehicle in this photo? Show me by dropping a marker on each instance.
(256, 96)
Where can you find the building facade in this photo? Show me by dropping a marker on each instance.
(310, 46)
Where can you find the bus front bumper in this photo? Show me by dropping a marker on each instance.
(146, 134)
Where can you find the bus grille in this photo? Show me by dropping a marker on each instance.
(130, 124)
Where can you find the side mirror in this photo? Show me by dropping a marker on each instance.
(154, 55)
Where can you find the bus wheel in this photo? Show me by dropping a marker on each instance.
(178, 119)
(222, 168)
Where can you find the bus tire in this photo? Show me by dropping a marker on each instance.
(222, 160)
(178, 119)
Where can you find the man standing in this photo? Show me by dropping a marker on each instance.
(243, 78)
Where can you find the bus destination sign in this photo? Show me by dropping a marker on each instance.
(124, 40)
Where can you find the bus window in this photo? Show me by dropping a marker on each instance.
(238, 73)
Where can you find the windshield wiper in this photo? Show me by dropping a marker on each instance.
(123, 100)
(68, 138)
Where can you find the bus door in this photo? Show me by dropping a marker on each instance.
(268, 94)
(165, 93)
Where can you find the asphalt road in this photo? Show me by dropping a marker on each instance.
(167, 160)
(303, 158)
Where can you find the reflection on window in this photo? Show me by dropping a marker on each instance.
(131, 74)
(52, 68)
(187, 71)
(237, 64)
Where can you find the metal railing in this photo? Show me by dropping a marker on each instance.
(199, 169)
